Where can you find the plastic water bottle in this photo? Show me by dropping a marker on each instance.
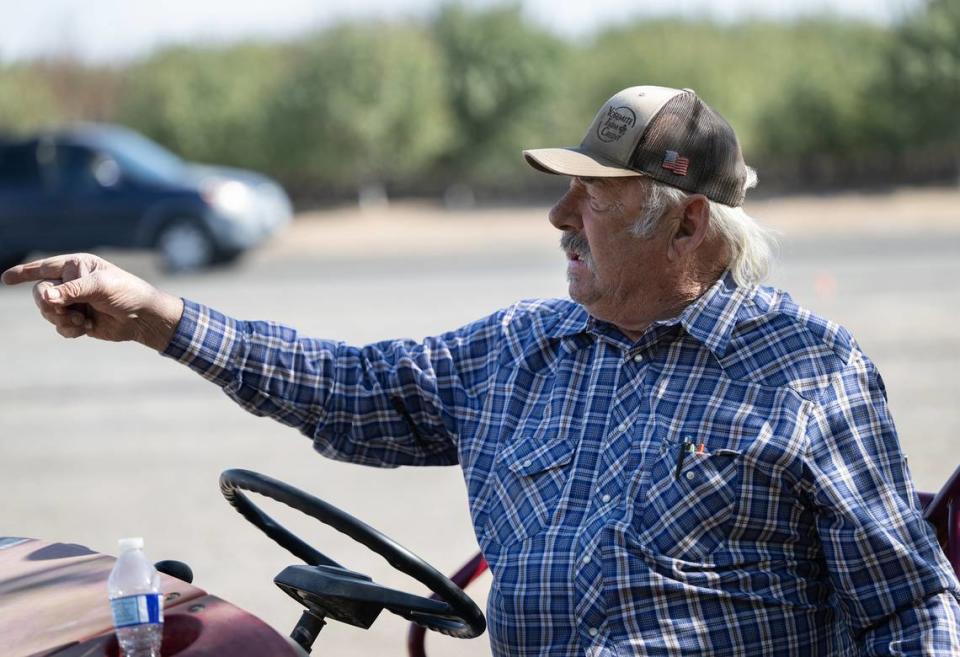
(136, 602)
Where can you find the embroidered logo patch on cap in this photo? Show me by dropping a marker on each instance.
(616, 123)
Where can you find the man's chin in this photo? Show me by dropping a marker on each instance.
(580, 293)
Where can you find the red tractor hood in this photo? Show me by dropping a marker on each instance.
(53, 602)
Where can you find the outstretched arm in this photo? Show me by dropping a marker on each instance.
(392, 403)
(396, 402)
(81, 294)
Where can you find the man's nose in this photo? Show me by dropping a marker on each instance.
(565, 213)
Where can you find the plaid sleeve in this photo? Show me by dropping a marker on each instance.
(890, 576)
(930, 628)
(392, 403)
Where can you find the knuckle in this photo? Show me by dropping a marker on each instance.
(71, 288)
(90, 260)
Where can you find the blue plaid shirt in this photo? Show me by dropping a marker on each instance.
(729, 484)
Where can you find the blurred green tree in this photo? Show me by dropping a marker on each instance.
(924, 81)
(26, 100)
(505, 80)
(207, 104)
(363, 104)
(823, 106)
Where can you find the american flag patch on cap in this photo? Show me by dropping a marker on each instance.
(673, 162)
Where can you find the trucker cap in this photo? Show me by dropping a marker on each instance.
(667, 134)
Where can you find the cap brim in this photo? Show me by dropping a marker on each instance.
(574, 162)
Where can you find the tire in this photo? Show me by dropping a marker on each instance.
(227, 257)
(184, 245)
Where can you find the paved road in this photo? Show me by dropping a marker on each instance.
(99, 441)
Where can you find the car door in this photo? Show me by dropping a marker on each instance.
(97, 206)
(23, 200)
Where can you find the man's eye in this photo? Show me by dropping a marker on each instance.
(597, 206)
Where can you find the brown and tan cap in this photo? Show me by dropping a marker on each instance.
(667, 134)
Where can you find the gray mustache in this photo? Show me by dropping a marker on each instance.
(576, 243)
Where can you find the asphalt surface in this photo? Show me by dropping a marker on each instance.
(100, 441)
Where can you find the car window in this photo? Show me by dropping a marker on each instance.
(68, 168)
(143, 158)
(18, 166)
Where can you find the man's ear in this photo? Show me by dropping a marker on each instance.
(690, 229)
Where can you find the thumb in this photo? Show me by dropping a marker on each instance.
(79, 290)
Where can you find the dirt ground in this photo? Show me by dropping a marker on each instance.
(424, 228)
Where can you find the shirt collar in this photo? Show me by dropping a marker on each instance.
(710, 319)
(575, 321)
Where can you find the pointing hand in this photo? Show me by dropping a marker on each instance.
(81, 294)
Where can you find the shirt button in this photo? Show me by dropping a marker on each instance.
(586, 559)
(690, 475)
(637, 358)
(605, 499)
(593, 631)
(623, 426)
(527, 463)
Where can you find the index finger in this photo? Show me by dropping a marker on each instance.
(38, 270)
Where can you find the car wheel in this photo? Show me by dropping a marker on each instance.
(185, 245)
(227, 256)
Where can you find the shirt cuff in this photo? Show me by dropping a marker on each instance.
(208, 342)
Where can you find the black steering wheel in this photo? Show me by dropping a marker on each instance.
(329, 590)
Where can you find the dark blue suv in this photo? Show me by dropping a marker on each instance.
(93, 185)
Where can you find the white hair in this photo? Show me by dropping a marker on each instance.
(750, 245)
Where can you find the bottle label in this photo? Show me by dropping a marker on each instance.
(137, 610)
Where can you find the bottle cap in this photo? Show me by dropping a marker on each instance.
(135, 543)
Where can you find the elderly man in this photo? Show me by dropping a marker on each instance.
(677, 462)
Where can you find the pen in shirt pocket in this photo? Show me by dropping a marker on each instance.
(681, 455)
(689, 447)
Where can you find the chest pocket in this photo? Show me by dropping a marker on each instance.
(687, 515)
(529, 477)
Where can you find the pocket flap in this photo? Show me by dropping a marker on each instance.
(527, 456)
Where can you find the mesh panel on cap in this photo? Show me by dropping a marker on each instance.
(692, 130)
